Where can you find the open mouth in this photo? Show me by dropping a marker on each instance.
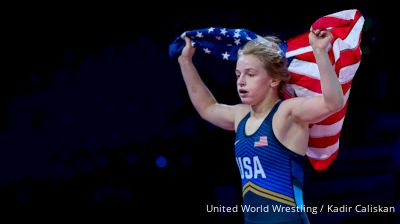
(242, 91)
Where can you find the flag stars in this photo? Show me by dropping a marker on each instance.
(223, 31)
(211, 29)
(237, 41)
(199, 35)
(206, 50)
(218, 38)
(225, 56)
(236, 35)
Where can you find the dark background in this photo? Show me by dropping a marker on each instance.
(95, 121)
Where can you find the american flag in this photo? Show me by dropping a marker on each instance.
(219, 42)
(345, 54)
(262, 142)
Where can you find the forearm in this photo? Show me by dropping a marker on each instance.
(330, 85)
(199, 94)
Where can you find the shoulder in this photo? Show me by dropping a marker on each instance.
(286, 108)
(287, 105)
(240, 112)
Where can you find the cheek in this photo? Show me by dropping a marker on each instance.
(261, 87)
(262, 83)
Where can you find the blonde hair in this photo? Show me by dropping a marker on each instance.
(267, 50)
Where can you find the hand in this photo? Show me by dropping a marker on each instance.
(188, 50)
(320, 39)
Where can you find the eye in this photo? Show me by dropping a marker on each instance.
(237, 75)
(251, 74)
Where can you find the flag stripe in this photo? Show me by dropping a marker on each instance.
(320, 130)
(336, 116)
(311, 87)
(346, 14)
(322, 142)
(322, 153)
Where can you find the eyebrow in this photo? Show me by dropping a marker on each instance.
(247, 70)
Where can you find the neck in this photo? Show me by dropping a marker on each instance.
(261, 109)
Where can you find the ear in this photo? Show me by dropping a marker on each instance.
(274, 83)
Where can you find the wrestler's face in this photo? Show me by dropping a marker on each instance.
(252, 79)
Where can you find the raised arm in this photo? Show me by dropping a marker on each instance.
(315, 109)
(202, 99)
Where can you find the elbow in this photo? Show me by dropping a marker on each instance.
(201, 112)
(336, 105)
(203, 115)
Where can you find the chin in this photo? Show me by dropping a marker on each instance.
(246, 101)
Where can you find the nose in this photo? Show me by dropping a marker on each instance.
(241, 81)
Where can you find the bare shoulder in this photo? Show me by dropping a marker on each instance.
(240, 111)
(286, 108)
(287, 105)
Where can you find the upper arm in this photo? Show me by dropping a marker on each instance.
(222, 115)
(311, 109)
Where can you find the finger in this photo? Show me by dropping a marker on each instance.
(183, 35)
(322, 34)
(328, 33)
(316, 32)
(188, 41)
